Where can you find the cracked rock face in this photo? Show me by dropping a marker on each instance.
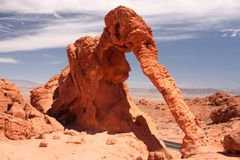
(90, 93)
(19, 120)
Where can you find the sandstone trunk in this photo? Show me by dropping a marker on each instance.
(127, 31)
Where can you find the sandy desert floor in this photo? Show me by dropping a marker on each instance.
(172, 134)
(73, 145)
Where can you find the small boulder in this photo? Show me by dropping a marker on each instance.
(70, 132)
(40, 136)
(56, 137)
(231, 142)
(43, 144)
(111, 141)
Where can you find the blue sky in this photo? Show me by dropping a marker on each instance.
(198, 41)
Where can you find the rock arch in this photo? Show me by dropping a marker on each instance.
(91, 93)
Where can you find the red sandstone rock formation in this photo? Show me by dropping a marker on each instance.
(224, 114)
(42, 97)
(227, 106)
(231, 142)
(19, 120)
(126, 31)
(222, 99)
(230, 107)
(91, 93)
(217, 99)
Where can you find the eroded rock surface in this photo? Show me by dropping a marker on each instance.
(231, 142)
(227, 106)
(42, 96)
(91, 93)
(217, 99)
(19, 120)
(224, 114)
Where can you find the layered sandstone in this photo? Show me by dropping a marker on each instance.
(19, 120)
(91, 93)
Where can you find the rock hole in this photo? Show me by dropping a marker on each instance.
(5, 94)
(84, 110)
(9, 107)
(76, 53)
(147, 44)
(71, 78)
(117, 31)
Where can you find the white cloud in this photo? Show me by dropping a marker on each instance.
(232, 32)
(8, 60)
(173, 37)
(146, 7)
(182, 17)
(58, 35)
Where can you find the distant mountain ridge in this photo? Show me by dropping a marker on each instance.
(27, 85)
(187, 92)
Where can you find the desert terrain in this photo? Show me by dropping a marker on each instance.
(91, 145)
(87, 112)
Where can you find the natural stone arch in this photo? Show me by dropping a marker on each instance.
(91, 93)
(127, 31)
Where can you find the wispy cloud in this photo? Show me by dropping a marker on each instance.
(146, 7)
(232, 32)
(170, 20)
(8, 60)
(58, 35)
(173, 37)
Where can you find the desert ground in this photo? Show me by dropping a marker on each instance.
(91, 145)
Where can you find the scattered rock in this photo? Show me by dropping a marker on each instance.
(76, 140)
(158, 106)
(43, 144)
(56, 137)
(40, 136)
(156, 156)
(70, 132)
(144, 102)
(111, 141)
